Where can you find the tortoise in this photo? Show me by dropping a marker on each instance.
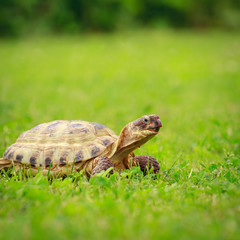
(62, 146)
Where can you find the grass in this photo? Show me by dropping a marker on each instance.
(191, 79)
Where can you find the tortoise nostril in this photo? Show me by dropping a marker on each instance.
(158, 123)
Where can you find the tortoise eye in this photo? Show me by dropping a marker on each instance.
(146, 120)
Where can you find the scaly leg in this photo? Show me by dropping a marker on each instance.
(103, 163)
(146, 162)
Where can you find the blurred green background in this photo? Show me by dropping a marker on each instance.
(21, 17)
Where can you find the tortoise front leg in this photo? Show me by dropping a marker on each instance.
(146, 162)
(103, 163)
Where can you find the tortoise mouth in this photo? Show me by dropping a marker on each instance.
(155, 126)
(154, 130)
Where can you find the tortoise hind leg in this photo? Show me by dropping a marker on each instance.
(103, 163)
(146, 162)
(5, 164)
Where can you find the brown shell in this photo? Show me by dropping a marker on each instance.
(59, 142)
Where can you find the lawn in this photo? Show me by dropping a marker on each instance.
(190, 79)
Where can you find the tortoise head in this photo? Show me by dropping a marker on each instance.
(146, 125)
(136, 133)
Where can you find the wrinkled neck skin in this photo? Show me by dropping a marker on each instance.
(128, 141)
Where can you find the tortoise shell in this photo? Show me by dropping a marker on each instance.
(60, 142)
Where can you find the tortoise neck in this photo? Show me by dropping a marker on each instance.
(127, 142)
(121, 153)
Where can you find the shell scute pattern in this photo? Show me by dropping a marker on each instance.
(106, 142)
(95, 151)
(63, 156)
(79, 131)
(59, 142)
(10, 156)
(6, 152)
(33, 161)
(53, 125)
(48, 156)
(62, 161)
(19, 157)
(79, 156)
(98, 126)
(48, 161)
(75, 125)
